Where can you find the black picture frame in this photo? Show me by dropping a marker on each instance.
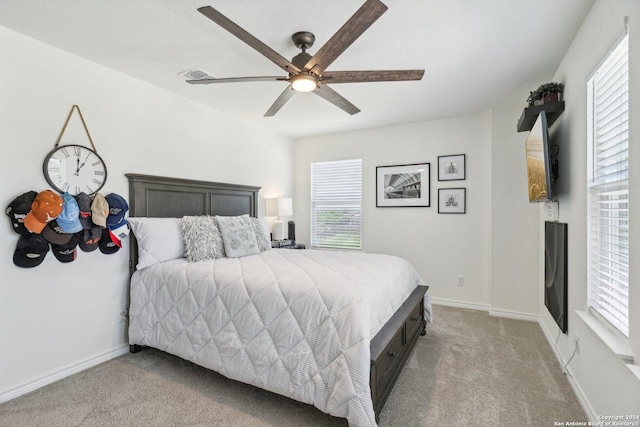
(452, 200)
(452, 167)
(403, 185)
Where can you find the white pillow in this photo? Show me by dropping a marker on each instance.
(238, 236)
(261, 230)
(202, 238)
(159, 240)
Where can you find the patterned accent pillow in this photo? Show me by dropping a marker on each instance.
(261, 230)
(238, 236)
(202, 238)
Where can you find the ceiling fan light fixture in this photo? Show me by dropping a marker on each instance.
(305, 72)
(303, 83)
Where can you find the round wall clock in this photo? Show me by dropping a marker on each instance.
(74, 169)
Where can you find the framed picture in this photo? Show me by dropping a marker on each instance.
(451, 168)
(452, 200)
(403, 185)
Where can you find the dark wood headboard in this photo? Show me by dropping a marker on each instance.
(157, 196)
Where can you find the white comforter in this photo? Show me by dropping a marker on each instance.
(295, 322)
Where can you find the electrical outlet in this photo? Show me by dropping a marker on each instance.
(460, 280)
(551, 211)
(123, 315)
(576, 341)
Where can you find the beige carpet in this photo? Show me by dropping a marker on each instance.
(470, 370)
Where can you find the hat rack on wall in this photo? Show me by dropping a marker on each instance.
(79, 216)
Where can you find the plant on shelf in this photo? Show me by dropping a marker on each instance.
(547, 92)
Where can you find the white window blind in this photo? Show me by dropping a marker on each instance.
(336, 204)
(608, 188)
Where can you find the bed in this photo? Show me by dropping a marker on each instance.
(321, 327)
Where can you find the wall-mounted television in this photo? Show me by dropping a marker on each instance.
(541, 168)
(555, 272)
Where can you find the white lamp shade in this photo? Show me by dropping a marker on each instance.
(279, 206)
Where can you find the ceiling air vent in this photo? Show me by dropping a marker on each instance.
(195, 74)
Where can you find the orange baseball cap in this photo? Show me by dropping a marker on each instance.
(46, 207)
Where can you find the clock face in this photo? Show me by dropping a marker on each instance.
(74, 169)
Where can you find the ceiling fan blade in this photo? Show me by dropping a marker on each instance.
(331, 77)
(243, 35)
(336, 99)
(282, 99)
(345, 36)
(235, 80)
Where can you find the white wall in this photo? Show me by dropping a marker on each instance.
(514, 221)
(494, 245)
(440, 246)
(57, 318)
(604, 382)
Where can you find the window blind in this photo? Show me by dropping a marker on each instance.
(608, 188)
(336, 204)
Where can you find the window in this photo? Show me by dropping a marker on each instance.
(336, 204)
(608, 188)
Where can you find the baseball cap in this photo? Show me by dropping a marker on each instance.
(118, 208)
(45, 207)
(69, 218)
(89, 239)
(116, 222)
(106, 245)
(52, 233)
(18, 209)
(118, 234)
(99, 210)
(84, 206)
(30, 251)
(66, 252)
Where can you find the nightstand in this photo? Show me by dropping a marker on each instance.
(287, 244)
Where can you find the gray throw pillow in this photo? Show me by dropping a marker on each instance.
(202, 238)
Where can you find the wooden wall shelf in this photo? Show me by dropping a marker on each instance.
(529, 115)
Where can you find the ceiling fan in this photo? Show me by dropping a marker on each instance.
(308, 73)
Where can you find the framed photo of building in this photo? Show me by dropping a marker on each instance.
(452, 200)
(451, 168)
(403, 185)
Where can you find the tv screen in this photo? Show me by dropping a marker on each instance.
(538, 162)
(555, 272)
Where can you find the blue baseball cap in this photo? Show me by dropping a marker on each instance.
(69, 218)
(118, 208)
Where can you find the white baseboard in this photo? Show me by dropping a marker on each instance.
(460, 304)
(485, 307)
(591, 413)
(63, 373)
(514, 315)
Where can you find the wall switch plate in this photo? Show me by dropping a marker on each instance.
(551, 211)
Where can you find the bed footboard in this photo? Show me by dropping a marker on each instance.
(391, 347)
